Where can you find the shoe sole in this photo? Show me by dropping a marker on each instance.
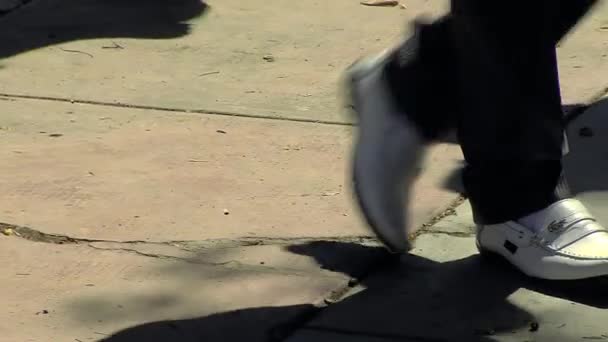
(497, 258)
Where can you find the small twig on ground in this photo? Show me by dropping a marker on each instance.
(209, 73)
(198, 161)
(76, 51)
(115, 46)
(380, 3)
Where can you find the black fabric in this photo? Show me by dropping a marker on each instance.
(489, 70)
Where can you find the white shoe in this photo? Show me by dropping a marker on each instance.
(572, 245)
(387, 154)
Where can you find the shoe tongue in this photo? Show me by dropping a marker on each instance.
(562, 213)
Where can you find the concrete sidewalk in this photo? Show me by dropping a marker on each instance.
(132, 216)
(178, 172)
(200, 220)
(258, 58)
(445, 291)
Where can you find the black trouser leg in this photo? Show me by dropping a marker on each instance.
(490, 70)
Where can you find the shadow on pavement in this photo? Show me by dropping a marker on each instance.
(240, 325)
(47, 22)
(586, 165)
(405, 299)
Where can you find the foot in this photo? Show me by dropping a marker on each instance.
(387, 153)
(569, 244)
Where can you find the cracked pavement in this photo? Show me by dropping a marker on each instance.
(156, 188)
(163, 179)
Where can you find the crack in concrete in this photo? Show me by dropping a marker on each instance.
(185, 245)
(279, 333)
(36, 236)
(450, 210)
(230, 264)
(177, 110)
(189, 247)
(448, 233)
(154, 255)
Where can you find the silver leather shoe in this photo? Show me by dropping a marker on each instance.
(387, 155)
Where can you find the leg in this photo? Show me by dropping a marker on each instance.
(493, 75)
(511, 130)
(511, 124)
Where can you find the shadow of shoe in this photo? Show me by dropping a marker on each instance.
(469, 299)
(415, 298)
